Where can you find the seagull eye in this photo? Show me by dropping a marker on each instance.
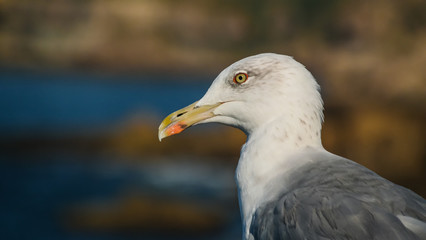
(240, 78)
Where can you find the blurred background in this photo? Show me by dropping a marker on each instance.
(84, 85)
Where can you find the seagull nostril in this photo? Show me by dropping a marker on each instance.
(180, 114)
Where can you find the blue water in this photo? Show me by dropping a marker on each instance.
(48, 102)
(38, 188)
(36, 197)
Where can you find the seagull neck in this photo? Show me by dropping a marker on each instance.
(293, 131)
(271, 152)
(270, 149)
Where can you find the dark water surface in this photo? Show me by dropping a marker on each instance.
(39, 188)
(56, 102)
(37, 197)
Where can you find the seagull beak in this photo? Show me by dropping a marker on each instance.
(184, 118)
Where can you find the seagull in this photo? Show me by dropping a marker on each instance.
(289, 186)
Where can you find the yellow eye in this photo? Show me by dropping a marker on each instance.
(240, 78)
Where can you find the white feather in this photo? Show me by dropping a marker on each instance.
(280, 109)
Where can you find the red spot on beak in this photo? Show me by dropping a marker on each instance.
(175, 129)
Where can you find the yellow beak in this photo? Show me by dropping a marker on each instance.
(184, 118)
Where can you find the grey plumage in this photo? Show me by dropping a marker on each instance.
(340, 199)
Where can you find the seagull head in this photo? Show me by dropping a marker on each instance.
(252, 92)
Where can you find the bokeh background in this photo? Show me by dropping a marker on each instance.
(84, 85)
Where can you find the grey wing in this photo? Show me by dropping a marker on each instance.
(342, 201)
